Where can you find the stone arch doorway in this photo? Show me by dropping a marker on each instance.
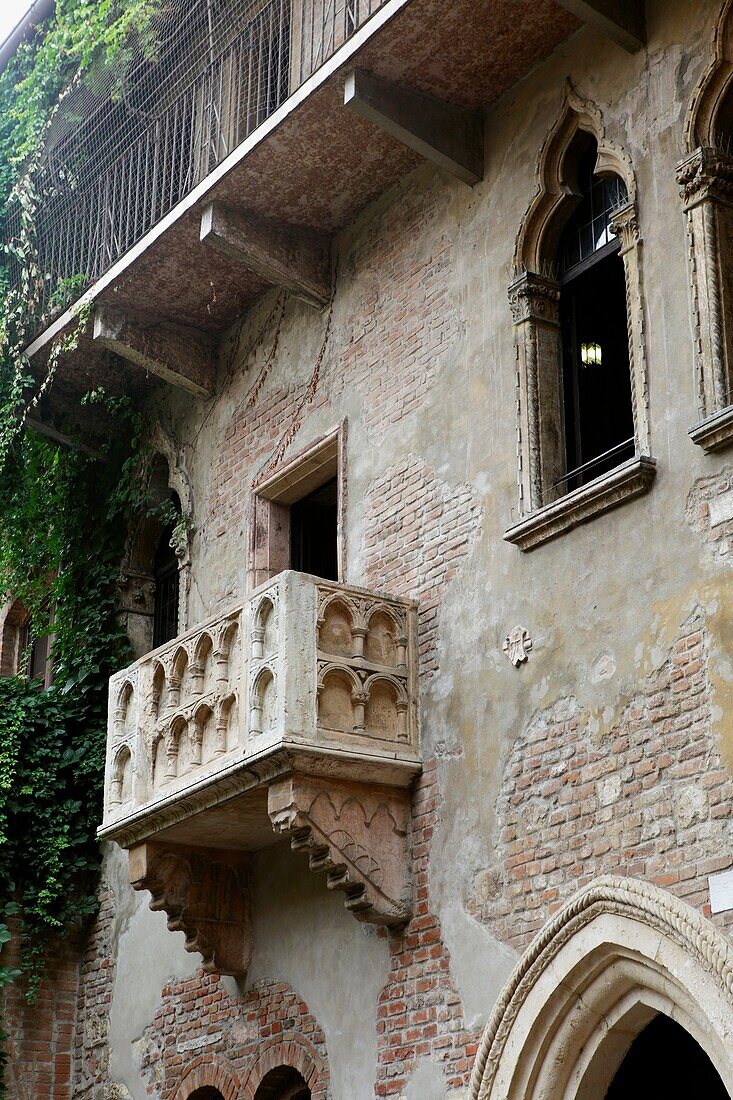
(616, 957)
(664, 1060)
(206, 1093)
(283, 1083)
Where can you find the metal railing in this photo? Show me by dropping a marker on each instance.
(109, 180)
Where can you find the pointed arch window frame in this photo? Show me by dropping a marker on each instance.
(705, 179)
(534, 298)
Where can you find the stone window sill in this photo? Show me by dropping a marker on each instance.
(630, 479)
(715, 432)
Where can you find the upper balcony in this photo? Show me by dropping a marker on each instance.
(293, 713)
(226, 162)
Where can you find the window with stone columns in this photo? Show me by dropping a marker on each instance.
(578, 256)
(705, 176)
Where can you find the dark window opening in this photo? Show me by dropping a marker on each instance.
(664, 1060)
(314, 532)
(597, 397)
(165, 607)
(38, 658)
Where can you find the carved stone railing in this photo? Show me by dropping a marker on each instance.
(293, 713)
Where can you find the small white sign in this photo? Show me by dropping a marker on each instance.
(721, 508)
(721, 891)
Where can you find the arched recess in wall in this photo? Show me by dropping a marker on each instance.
(291, 1065)
(705, 176)
(208, 1078)
(283, 1083)
(156, 571)
(619, 954)
(586, 196)
(15, 637)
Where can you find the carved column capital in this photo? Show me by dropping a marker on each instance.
(706, 174)
(625, 224)
(354, 833)
(534, 298)
(206, 895)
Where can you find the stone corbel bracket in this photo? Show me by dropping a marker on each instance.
(357, 835)
(206, 895)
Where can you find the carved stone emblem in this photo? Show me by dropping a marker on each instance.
(517, 645)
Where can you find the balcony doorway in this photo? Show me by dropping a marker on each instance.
(297, 516)
(314, 532)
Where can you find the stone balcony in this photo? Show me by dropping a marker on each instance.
(294, 713)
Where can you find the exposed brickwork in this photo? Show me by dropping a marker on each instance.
(201, 1027)
(402, 320)
(250, 439)
(420, 1014)
(650, 798)
(40, 1035)
(96, 981)
(710, 513)
(418, 531)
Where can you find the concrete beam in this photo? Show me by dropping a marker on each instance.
(169, 353)
(291, 257)
(449, 136)
(623, 21)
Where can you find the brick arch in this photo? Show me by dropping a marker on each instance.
(289, 1049)
(208, 1072)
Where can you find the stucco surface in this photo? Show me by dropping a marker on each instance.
(604, 604)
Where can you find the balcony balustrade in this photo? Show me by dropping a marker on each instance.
(294, 713)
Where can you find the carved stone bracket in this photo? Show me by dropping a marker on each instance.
(357, 835)
(206, 896)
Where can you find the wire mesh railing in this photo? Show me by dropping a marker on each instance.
(119, 161)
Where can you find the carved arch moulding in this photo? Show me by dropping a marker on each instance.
(534, 297)
(705, 177)
(620, 952)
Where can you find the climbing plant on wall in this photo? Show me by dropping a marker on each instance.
(64, 514)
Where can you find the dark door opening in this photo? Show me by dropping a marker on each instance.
(314, 532)
(165, 606)
(665, 1061)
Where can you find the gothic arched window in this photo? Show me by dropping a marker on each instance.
(578, 310)
(597, 401)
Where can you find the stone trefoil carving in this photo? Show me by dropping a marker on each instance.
(705, 177)
(517, 646)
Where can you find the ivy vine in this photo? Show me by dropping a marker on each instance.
(64, 515)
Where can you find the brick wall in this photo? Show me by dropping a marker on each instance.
(201, 1028)
(402, 322)
(96, 982)
(650, 797)
(418, 530)
(420, 1014)
(41, 1035)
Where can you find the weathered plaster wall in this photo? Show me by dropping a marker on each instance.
(421, 361)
